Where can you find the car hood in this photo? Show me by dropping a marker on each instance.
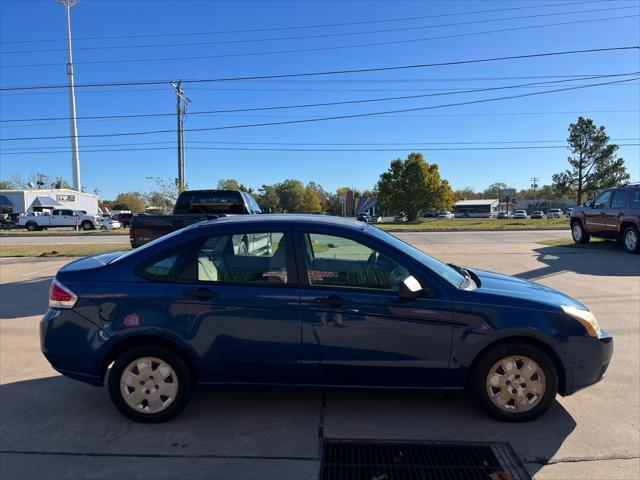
(499, 285)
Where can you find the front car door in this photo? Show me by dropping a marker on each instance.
(616, 211)
(596, 216)
(239, 309)
(356, 329)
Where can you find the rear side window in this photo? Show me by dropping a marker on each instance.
(161, 270)
(253, 258)
(619, 199)
(635, 200)
(210, 202)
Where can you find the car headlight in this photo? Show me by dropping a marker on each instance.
(585, 317)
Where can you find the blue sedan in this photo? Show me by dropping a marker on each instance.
(318, 302)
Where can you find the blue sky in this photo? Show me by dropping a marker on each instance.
(536, 118)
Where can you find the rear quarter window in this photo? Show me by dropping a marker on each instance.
(634, 201)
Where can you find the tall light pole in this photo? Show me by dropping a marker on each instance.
(75, 158)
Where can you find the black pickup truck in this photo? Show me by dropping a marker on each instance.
(194, 206)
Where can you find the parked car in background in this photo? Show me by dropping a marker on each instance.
(614, 214)
(554, 213)
(60, 217)
(363, 217)
(123, 218)
(520, 215)
(446, 215)
(401, 217)
(568, 212)
(503, 215)
(192, 206)
(336, 304)
(109, 224)
(537, 215)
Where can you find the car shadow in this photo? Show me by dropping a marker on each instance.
(56, 414)
(25, 298)
(583, 261)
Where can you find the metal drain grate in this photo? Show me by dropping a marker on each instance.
(387, 460)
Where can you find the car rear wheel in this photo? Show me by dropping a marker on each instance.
(150, 384)
(578, 233)
(515, 382)
(32, 227)
(630, 240)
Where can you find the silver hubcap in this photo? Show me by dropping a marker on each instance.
(577, 232)
(149, 385)
(631, 240)
(516, 383)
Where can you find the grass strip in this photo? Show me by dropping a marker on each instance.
(79, 250)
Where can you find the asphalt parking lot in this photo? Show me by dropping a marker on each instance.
(53, 427)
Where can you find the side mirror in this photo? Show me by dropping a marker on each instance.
(410, 288)
(588, 204)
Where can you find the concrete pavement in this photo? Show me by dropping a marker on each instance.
(53, 427)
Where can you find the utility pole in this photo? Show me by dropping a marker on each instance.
(534, 185)
(181, 110)
(75, 159)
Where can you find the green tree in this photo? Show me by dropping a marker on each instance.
(411, 186)
(493, 190)
(466, 193)
(291, 195)
(232, 184)
(62, 182)
(7, 185)
(594, 163)
(133, 201)
(158, 200)
(268, 198)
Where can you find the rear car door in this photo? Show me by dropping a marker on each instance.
(356, 329)
(596, 216)
(239, 309)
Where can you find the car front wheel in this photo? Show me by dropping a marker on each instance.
(150, 384)
(630, 240)
(578, 233)
(87, 225)
(515, 382)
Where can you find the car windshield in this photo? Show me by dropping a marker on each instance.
(444, 271)
(151, 244)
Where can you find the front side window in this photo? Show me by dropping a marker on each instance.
(255, 258)
(341, 262)
(602, 200)
(619, 199)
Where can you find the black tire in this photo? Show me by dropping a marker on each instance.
(87, 225)
(243, 248)
(185, 383)
(631, 240)
(481, 371)
(578, 232)
(32, 227)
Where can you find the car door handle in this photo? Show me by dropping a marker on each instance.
(333, 301)
(200, 294)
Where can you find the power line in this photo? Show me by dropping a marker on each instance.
(319, 49)
(335, 117)
(298, 27)
(306, 144)
(325, 35)
(519, 147)
(330, 72)
(323, 104)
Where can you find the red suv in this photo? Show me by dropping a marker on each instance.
(614, 213)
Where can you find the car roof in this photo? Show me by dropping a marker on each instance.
(287, 218)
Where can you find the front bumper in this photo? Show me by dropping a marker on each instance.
(586, 361)
(71, 344)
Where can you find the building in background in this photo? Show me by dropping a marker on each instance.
(483, 208)
(42, 200)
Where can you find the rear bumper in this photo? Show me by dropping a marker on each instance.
(71, 344)
(589, 359)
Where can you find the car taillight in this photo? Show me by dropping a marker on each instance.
(60, 296)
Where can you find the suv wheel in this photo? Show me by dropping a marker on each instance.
(515, 382)
(32, 227)
(630, 240)
(150, 384)
(87, 225)
(578, 232)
